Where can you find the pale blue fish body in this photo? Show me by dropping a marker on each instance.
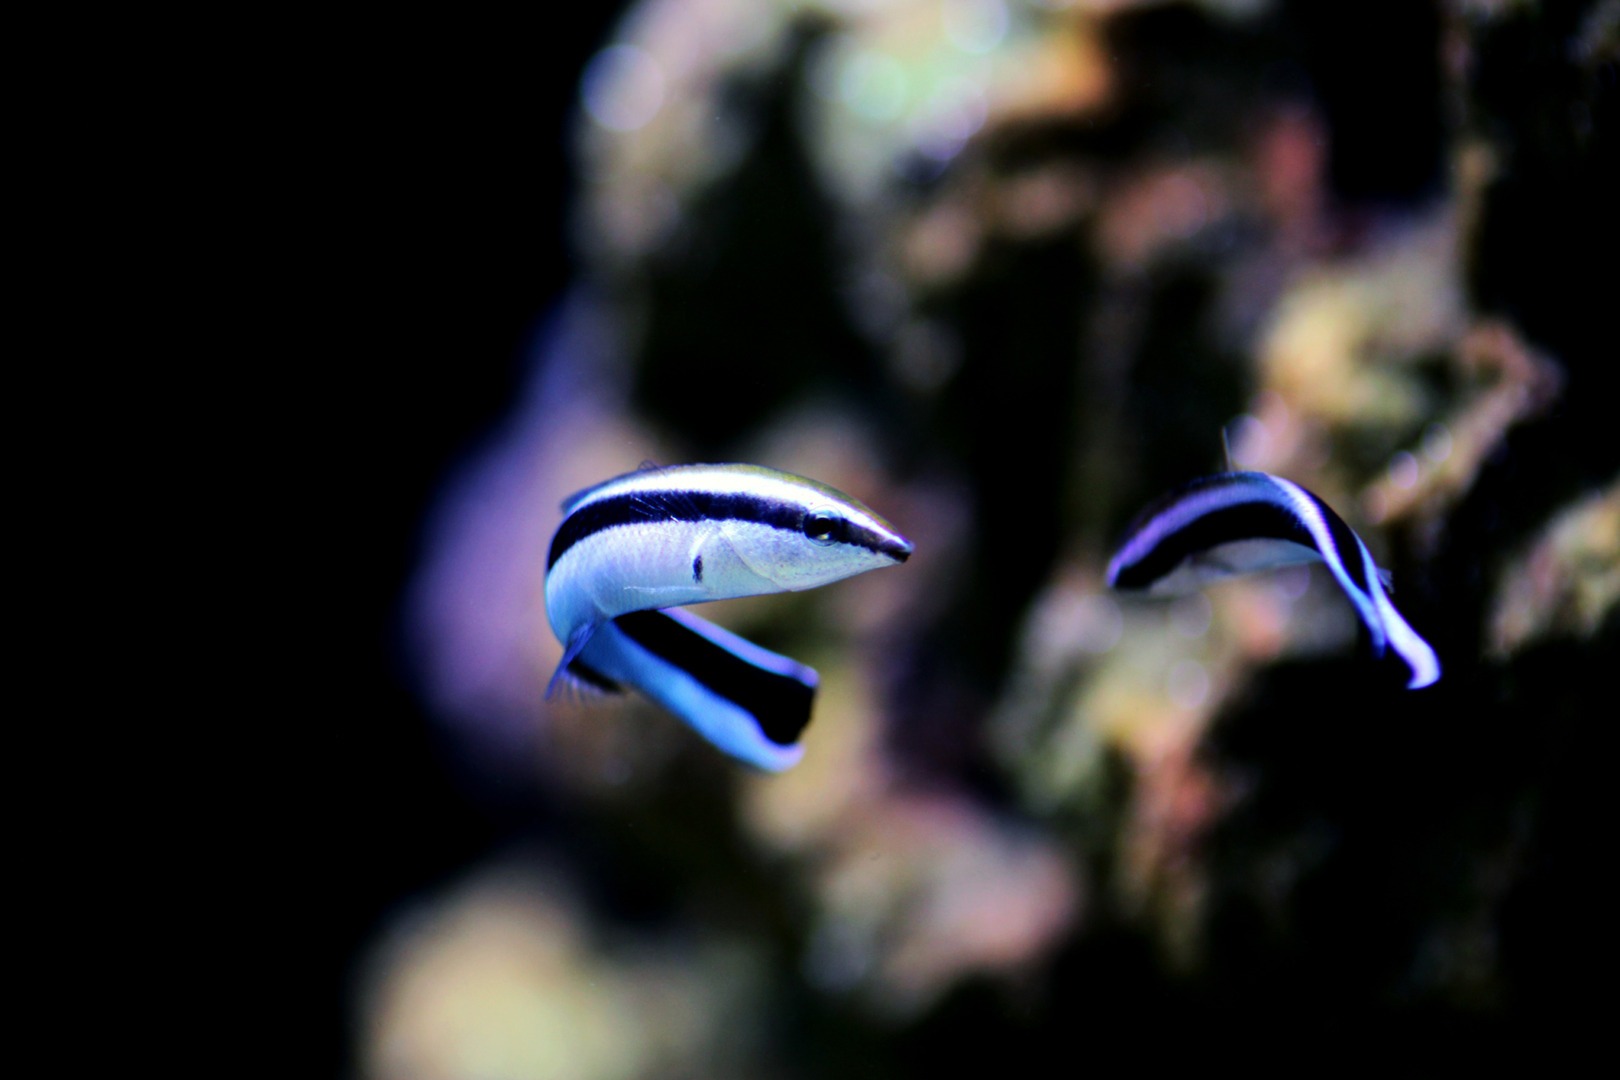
(664, 537)
(1243, 522)
(741, 729)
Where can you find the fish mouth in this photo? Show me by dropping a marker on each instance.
(881, 541)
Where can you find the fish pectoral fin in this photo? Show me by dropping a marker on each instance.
(571, 650)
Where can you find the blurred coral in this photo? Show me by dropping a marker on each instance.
(505, 977)
(1007, 270)
(1568, 581)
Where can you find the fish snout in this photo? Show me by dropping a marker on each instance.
(896, 547)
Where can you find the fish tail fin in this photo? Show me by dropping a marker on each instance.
(750, 702)
(1417, 653)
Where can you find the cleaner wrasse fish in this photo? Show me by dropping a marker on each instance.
(664, 537)
(1242, 522)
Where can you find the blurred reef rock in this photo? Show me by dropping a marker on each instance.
(1008, 269)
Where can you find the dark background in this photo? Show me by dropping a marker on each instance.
(434, 176)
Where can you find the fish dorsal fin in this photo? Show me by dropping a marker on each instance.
(656, 507)
(572, 501)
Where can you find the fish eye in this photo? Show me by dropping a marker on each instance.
(822, 527)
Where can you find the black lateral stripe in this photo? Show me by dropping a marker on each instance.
(1259, 519)
(871, 540)
(639, 506)
(780, 703)
(1344, 538)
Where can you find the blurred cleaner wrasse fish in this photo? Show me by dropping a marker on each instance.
(1242, 522)
(663, 537)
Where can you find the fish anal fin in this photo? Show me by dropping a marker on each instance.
(579, 677)
(571, 650)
